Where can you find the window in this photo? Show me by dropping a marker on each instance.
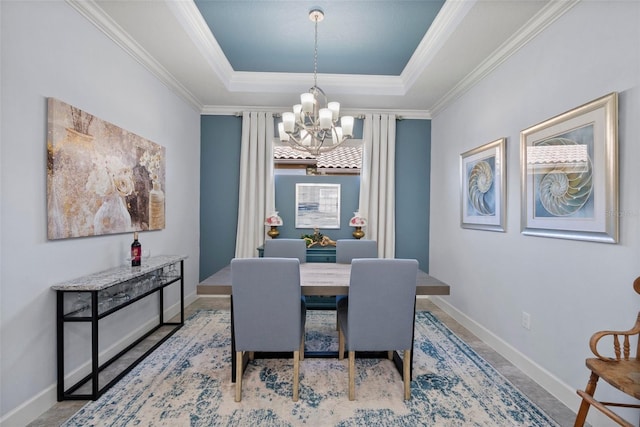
(343, 160)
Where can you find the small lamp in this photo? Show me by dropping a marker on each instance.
(274, 221)
(358, 221)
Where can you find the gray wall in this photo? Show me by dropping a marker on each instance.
(220, 158)
(219, 181)
(50, 50)
(286, 203)
(570, 288)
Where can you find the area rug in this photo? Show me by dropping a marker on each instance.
(187, 382)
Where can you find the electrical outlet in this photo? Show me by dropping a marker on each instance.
(526, 320)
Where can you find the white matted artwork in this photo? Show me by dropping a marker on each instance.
(317, 205)
(569, 167)
(483, 187)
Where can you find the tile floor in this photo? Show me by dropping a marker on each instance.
(61, 411)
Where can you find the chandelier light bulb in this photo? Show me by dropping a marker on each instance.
(288, 121)
(297, 111)
(308, 102)
(335, 110)
(325, 118)
(347, 125)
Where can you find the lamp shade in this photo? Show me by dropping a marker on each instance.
(357, 220)
(273, 220)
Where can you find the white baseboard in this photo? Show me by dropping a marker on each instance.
(537, 373)
(43, 401)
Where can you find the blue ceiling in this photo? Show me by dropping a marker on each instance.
(270, 36)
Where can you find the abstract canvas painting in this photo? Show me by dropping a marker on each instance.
(101, 179)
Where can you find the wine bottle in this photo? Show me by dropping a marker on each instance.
(136, 251)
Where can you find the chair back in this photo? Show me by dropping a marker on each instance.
(348, 249)
(286, 248)
(382, 294)
(266, 298)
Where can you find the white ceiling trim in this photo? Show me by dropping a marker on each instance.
(243, 81)
(91, 11)
(542, 20)
(447, 20)
(235, 110)
(188, 15)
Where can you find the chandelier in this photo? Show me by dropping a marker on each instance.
(313, 124)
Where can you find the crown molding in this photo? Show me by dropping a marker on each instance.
(188, 15)
(237, 110)
(92, 12)
(552, 11)
(445, 23)
(335, 83)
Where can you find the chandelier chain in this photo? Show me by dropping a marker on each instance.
(315, 55)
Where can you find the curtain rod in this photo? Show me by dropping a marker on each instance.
(361, 116)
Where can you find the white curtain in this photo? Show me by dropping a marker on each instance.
(377, 181)
(256, 192)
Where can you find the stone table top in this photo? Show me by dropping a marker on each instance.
(113, 276)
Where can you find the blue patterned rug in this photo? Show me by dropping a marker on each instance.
(187, 382)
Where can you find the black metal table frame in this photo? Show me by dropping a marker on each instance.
(96, 368)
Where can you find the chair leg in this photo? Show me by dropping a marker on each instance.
(352, 375)
(296, 374)
(584, 406)
(239, 363)
(302, 348)
(390, 355)
(251, 355)
(406, 374)
(340, 344)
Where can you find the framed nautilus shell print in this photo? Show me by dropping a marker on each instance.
(483, 187)
(569, 167)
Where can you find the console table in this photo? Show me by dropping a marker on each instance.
(91, 298)
(314, 253)
(317, 254)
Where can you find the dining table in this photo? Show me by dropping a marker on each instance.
(317, 279)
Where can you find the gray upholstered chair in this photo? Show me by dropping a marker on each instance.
(348, 249)
(286, 248)
(379, 313)
(268, 312)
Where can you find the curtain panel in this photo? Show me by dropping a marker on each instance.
(377, 181)
(256, 190)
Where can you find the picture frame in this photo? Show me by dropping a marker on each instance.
(483, 187)
(569, 166)
(318, 206)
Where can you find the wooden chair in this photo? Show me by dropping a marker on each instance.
(621, 371)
